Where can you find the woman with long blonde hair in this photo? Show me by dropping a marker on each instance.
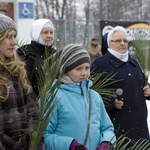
(17, 101)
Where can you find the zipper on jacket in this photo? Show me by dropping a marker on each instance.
(81, 89)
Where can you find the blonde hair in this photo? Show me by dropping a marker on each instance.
(15, 67)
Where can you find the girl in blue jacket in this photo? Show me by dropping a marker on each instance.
(79, 120)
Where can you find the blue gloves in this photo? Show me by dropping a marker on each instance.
(75, 145)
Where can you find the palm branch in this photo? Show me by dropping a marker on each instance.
(142, 53)
(46, 95)
(48, 72)
(22, 45)
(100, 85)
(125, 143)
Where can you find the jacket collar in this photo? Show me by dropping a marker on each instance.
(77, 87)
(39, 47)
(117, 62)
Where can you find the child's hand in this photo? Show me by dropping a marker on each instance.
(104, 146)
(75, 145)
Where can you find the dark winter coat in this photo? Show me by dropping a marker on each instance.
(34, 54)
(132, 118)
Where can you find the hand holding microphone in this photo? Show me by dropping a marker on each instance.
(119, 93)
(118, 103)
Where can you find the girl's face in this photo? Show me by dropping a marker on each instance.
(47, 35)
(7, 46)
(80, 73)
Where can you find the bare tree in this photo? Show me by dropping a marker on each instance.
(72, 27)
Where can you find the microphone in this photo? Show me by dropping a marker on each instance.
(119, 93)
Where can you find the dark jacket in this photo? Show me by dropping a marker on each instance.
(34, 54)
(132, 118)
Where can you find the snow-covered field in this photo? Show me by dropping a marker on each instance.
(148, 119)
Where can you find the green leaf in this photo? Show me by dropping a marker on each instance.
(47, 93)
(142, 53)
(100, 85)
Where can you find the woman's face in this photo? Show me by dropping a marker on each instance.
(119, 42)
(80, 73)
(47, 35)
(8, 45)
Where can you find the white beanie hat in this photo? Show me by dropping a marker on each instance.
(111, 32)
(38, 25)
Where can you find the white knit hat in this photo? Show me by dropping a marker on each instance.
(38, 25)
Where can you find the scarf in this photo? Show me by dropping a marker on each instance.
(122, 57)
(66, 80)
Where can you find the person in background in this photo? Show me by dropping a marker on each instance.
(129, 115)
(17, 101)
(94, 49)
(42, 38)
(79, 108)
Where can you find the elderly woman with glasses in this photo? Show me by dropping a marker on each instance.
(127, 110)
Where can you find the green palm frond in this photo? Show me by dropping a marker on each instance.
(22, 45)
(100, 85)
(125, 143)
(142, 53)
(47, 92)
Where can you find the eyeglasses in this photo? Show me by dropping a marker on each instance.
(119, 41)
